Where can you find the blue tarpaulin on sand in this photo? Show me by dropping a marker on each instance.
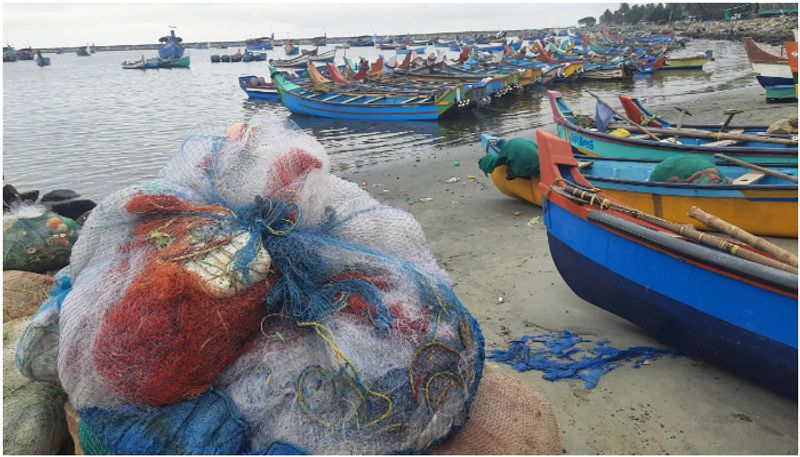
(557, 356)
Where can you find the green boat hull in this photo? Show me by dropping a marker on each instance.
(183, 62)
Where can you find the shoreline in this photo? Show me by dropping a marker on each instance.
(676, 405)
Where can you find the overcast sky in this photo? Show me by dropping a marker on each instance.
(65, 24)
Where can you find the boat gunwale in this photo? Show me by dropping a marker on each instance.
(561, 119)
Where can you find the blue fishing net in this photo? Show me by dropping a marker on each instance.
(565, 355)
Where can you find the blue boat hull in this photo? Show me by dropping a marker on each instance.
(737, 326)
(302, 106)
(772, 81)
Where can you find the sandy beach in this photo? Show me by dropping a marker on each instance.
(493, 246)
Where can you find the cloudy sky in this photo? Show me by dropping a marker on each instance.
(74, 24)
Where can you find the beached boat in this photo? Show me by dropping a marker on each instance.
(41, 60)
(607, 72)
(734, 313)
(791, 51)
(773, 71)
(587, 140)
(686, 63)
(303, 60)
(364, 105)
(635, 110)
(759, 203)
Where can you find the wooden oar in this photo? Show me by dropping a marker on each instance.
(683, 230)
(643, 128)
(764, 170)
(742, 235)
(708, 135)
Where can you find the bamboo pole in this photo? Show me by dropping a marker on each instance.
(757, 242)
(683, 230)
(764, 170)
(643, 128)
(708, 135)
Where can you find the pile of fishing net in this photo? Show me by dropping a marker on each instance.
(41, 243)
(520, 156)
(688, 169)
(248, 301)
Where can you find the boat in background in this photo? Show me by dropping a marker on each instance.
(9, 54)
(773, 71)
(734, 313)
(26, 54)
(320, 40)
(260, 44)
(92, 49)
(368, 104)
(303, 60)
(83, 51)
(40, 60)
(688, 63)
(756, 202)
(291, 50)
(364, 41)
(171, 54)
(587, 140)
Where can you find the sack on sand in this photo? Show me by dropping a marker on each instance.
(39, 244)
(23, 293)
(33, 412)
(249, 301)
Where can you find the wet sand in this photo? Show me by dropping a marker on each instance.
(676, 405)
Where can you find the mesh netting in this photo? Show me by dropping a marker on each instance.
(288, 304)
(39, 244)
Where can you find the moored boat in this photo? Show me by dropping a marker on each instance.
(303, 60)
(171, 53)
(83, 51)
(759, 203)
(383, 105)
(686, 63)
(734, 313)
(41, 60)
(588, 140)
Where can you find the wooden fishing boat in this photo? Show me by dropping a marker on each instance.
(773, 71)
(791, 51)
(364, 105)
(257, 88)
(589, 141)
(734, 313)
(361, 42)
(134, 64)
(636, 111)
(83, 51)
(607, 72)
(685, 63)
(759, 203)
(180, 62)
(303, 60)
(291, 50)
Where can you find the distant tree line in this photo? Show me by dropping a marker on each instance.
(665, 12)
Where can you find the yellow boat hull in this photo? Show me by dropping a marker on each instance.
(757, 217)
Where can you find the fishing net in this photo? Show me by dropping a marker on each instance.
(687, 169)
(247, 300)
(521, 157)
(39, 244)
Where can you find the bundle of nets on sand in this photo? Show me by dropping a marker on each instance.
(248, 301)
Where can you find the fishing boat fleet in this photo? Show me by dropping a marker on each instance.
(484, 70)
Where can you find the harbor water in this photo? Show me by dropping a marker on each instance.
(86, 124)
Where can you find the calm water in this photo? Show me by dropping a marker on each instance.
(85, 124)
